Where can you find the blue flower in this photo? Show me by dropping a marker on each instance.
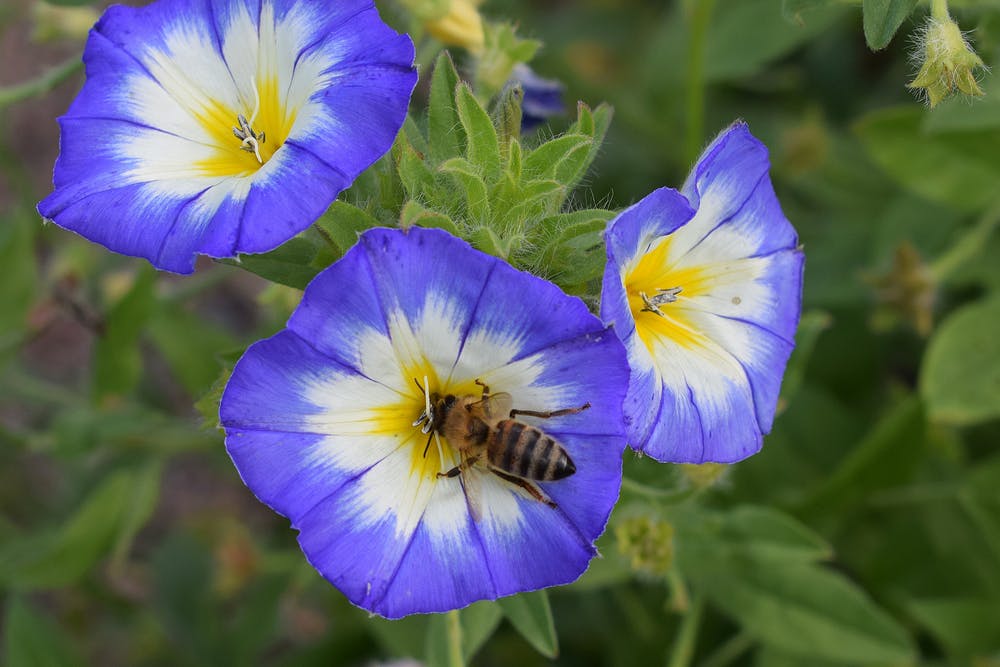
(704, 288)
(543, 98)
(225, 126)
(342, 423)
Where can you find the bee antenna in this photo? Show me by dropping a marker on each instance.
(419, 386)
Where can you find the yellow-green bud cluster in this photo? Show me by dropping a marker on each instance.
(948, 62)
(648, 543)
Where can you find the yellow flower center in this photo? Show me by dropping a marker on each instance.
(653, 288)
(431, 452)
(245, 139)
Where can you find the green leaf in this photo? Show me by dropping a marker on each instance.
(181, 600)
(882, 19)
(17, 289)
(957, 114)
(33, 640)
(537, 198)
(793, 10)
(744, 533)
(477, 622)
(561, 158)
(576, 253)
(208, 405)
(964, 625)
(252, 627)
(437, 644)
(59, 557)
(414, 172)
(593, 124)
(734, 51)
(413, 134)
(289, 264)
(515, 161)
(414, 213)
(117, 356)
(486, 240)
(471, 183)
(443, 126)
(958, 168)
(342, 223)
(888, 456)
(960, 376)
(806, 610)
(403, 638)
(143, 499)
(811, 325)
(189, 344)
(768, 534)
(482, 149)
(531, 616)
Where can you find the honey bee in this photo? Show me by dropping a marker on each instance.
(486, 432)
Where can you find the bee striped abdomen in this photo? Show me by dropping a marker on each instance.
(528, 452)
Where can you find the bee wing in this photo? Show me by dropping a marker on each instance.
(472, 485)
(498, 405)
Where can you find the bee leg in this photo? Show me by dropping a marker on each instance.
(428, 445)
(553, 413)
(486, 388)
(457, 470)
(533, 490)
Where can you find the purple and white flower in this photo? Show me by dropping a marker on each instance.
(704, 289)
(225, 126)
(323, 421)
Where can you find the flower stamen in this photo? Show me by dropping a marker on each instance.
(427, 416)
(250, 140)
(661, 298)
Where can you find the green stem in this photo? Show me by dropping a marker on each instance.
(41, 84)
(939, 9)
(683, 649)
(680, 599)
(736, 646)
(967, 247)
(700, 16)
(670, 496)
(454, 625)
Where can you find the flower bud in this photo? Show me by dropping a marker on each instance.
(460, 25)
(906, 293)
(54, 22)
(948, 61)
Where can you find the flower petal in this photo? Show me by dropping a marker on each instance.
(320, 423)
(706, 301)
(149, 165)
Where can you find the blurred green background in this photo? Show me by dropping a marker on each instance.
(867, 532)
